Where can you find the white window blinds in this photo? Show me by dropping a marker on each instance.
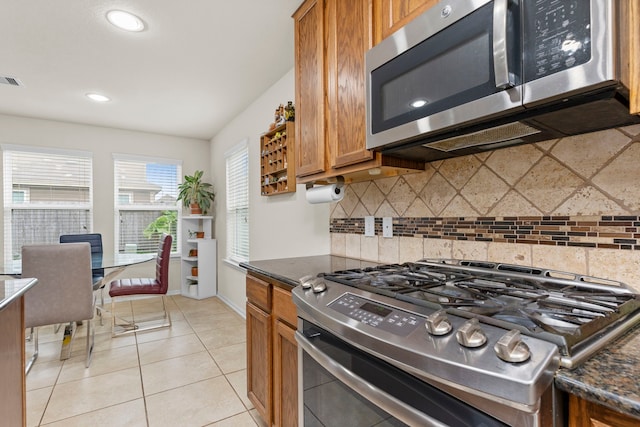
(237, 170)
(47, 193)
(145, 202)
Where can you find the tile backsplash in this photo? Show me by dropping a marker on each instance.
(571, 204)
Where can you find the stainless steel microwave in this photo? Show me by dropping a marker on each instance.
(473, 75)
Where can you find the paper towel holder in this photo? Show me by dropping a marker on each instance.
(339, 183)
(325, 193)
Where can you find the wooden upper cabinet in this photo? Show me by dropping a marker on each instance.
(348, 37)
(309, 82)
(633, 47)
(391, 15)
(331, 39)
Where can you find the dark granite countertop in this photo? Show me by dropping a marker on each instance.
(610, 378)
(289, 270)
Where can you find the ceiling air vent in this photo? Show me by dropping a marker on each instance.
(10, 81)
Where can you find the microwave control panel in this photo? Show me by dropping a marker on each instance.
(557, 36)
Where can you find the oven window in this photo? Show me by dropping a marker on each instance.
(328, 401)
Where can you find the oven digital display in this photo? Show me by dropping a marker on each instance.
(390, 319)
(376, 309)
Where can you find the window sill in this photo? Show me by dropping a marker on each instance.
(234, 264)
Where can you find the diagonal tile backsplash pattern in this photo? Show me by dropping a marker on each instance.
(576, 199)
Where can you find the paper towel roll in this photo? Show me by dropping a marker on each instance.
(325, 194)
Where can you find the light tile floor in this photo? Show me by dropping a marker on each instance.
(193, 374)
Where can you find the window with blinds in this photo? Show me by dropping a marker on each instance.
(47, 193)
(145, 202)
(237, 170)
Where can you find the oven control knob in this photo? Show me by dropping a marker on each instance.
(470, 334)
(306, 282)
(511, 348)
(438, 323)
(319, 286)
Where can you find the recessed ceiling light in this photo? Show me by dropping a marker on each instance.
(98, 98)
(125, 20)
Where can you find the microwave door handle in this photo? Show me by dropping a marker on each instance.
(500, 63)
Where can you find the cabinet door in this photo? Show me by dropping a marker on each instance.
(285, 375)
(349, 28)
(583, 413)
(259, 361)
(630, 45)
(12, 364)
(309, 70)
(391, 15)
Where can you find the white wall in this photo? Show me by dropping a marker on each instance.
(281, 226)
(103, 142)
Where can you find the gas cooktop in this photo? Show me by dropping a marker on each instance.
(490, 334)
(564, 308)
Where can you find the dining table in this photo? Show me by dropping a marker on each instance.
(113, 264)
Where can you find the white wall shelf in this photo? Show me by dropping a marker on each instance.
(204, 285)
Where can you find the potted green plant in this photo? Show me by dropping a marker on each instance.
(165, 223)
(196, 194)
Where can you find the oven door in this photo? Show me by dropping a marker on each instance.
(457, 63)
(340, 385)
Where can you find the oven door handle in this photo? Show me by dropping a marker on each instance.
(385, 401)
(500, 58)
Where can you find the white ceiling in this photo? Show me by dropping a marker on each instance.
(196, 65)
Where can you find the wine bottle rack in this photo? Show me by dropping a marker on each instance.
(277, 172)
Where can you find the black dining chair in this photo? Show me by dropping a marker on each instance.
(95, 240)
(97, 274)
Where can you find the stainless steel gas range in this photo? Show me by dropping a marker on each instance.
(449, 342)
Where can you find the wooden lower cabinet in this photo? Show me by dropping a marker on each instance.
(272, 351)
(259, 352)
(285, 375)
(12, 364)
(583, 413)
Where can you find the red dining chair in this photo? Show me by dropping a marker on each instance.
(144, 286)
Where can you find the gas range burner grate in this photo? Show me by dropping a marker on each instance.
(535, 301)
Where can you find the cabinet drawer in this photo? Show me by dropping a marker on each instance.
(259, 293)
(283, 307)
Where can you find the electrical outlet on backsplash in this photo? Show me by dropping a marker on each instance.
(571, 204)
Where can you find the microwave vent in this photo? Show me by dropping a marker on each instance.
(10, 81)
(496, 134)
